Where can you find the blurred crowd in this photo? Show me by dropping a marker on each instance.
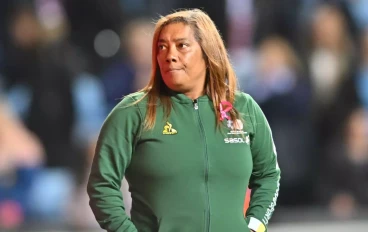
(64, 64)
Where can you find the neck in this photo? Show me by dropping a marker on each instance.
(197, 91)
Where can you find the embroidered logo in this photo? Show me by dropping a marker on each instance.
(237, 128)
(169, 130)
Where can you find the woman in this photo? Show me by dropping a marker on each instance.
(189, 143)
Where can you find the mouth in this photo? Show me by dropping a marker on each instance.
(173, 70)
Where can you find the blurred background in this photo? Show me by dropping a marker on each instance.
(64, 64)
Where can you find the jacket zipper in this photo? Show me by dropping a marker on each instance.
(196, 108)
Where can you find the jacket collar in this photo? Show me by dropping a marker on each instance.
(182, 98)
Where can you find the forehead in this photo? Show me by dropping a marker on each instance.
(174, 31)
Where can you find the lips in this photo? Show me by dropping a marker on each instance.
(173, 69)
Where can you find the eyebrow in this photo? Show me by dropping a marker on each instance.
(175, 40)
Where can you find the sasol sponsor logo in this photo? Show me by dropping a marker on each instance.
(237, 140)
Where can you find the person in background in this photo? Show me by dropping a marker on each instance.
(189, 144)
(60, 104)
(342, 184)
(331, 57)
(21, 156)
(38, 77)
(283, 92)
(131, 73)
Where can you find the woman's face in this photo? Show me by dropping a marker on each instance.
(328, 27)
(180, 58)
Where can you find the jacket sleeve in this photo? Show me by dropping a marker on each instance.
(112, 156)
(265, 179)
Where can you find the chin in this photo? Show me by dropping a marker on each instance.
(173, 83)
(177, 87)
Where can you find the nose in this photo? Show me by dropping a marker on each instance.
(171, 55)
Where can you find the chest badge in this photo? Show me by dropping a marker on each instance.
(169, 130)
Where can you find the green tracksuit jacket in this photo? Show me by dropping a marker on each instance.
(185, 175)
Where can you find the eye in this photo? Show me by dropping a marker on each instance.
(161, 47)
(183, 45)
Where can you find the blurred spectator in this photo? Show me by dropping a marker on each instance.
(331, 57)
(38, 69)
(332, 49)
(283, 92)
(62, 105)
(132, 73)
(21, 154)
(343, 181)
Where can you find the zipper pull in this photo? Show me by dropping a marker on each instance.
(195, 103)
